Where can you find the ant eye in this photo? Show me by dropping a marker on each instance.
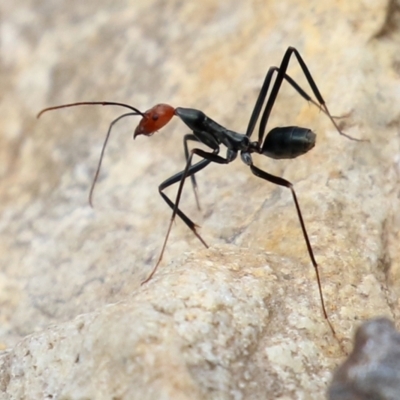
(154, 117)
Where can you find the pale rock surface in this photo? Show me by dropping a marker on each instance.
(242, 319)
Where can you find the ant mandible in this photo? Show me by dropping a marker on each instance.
(279, 143)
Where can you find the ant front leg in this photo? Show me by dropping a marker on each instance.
(207, 157)
(181, 177)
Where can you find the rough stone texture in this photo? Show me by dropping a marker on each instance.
(243, 319)
(372, 370)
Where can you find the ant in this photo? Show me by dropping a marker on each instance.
(279, 143)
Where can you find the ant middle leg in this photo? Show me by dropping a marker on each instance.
(283, 182)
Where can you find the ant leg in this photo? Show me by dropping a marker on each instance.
(189, 170)
(177, 178)
(275, 89)
(259, 103)
(207, 156)
(181, 176)
(283, 182)
(186, 138)
(176, 211)
(307, 97)
(263, 94)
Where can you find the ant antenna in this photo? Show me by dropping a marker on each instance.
(102, 103)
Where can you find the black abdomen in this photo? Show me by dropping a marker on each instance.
(288, 142)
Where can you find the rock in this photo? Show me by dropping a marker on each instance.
(198, 330)
(372, 370)
(64, 265)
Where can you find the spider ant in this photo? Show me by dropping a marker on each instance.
(279, 143)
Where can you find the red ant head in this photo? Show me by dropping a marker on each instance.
(154, 119)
